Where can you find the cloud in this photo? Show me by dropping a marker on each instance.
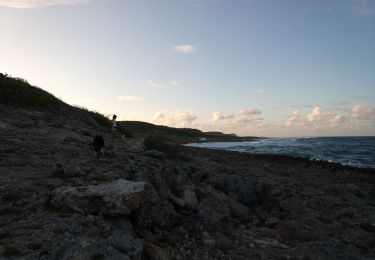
(296, 120)
(159, 118)
(175, 83)
(154, 84)
(363, 112)
(40, 3)
(318, 119)
(260, 92)
(363, 8)
(185, 49)
(249, 112)
(129, 98)
(219, 116)
(342, 102)
(314, 115)
(180, 118)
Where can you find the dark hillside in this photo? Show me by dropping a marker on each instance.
(177, 135)
(18, 93)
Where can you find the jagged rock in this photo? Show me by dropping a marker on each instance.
(270, 242)
(271, 222)
(134, 145)
(126, 243)
(234, 184)
(155, 252)
(87, 248)
(189, 196)
(177, 201)
(209, 242)
(72, 170)
(154, 153)
(119, 197)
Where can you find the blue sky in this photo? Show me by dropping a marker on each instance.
(252, 67)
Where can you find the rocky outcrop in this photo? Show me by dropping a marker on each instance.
(119, 197)
(171, 202)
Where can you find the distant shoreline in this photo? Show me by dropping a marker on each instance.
(305, 149)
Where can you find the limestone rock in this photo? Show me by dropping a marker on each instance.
(119, 197)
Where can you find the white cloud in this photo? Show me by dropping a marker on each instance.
(219, 116)
(363, 112)
(154, 84)
(186, 49)
(296, 120)
(159, 118)
(40, 3)
(129, 98)
(317, 119)
(180, 118)
(249, 112)
(260, 92)
(175, 83)
(314, 115)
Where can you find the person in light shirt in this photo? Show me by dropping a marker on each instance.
(114, 127)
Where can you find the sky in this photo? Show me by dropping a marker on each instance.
(276, 68)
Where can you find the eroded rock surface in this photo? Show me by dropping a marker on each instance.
(57, 201)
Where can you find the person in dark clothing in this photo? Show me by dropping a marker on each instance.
(98, 143)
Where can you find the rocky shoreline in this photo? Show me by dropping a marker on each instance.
(170, 202)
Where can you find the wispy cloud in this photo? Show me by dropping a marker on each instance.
(40, 3)
(129, 98)
(175, 83)
(363, 112)
(185, 49)
(219, 116)
(180, 118)
(156, 84)
(363, 8)
(249, 112)
(342, 102)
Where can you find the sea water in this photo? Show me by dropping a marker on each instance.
(353, 151)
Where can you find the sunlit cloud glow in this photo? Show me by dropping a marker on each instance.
(129, 98)
(40, 3)
(185, 49)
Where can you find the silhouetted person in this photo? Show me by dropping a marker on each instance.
(98, 143)
(114, 127)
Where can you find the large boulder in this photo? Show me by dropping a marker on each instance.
(236, 186)
(119, 197)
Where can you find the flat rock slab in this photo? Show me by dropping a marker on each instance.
(119, 197)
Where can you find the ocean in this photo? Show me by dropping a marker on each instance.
(353, 151)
